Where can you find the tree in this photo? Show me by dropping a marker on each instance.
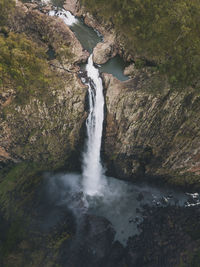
(165, 32)
(6, 7)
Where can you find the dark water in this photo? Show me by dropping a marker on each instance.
(121, 202)
(86, 35)
(89, 38)
(115, 66)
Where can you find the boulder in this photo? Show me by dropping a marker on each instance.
(130, 70)
(105, 50)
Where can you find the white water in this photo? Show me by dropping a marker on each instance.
(92, 168)
(66, 16)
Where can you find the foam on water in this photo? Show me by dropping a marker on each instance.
(66, 16)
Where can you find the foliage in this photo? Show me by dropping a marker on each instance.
(166, 32)
(14, 176)
(23, 65)
(14, 235)
(6, 6)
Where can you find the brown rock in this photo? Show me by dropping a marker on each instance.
(130, 70)
(72, 5)
(104, 51)
(152, 133)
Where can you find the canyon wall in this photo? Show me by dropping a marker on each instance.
(151, 129)
(45, 126)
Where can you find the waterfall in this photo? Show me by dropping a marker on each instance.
(92, 168)
(66, 16)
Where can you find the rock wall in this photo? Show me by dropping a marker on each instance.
(152, 130)
(47, 127)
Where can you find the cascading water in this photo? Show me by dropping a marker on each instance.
(66, 16)
(92, 168)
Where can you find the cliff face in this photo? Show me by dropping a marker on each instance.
(152, 133)
(46, 126)
(151, 129)
(45, 129)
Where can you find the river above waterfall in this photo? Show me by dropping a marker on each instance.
(89, 38)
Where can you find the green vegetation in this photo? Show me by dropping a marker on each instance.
(21, 242)
(25, 177)
(6, 6)
(22, 63)
(166, 33)
(14, 235)
(24, 66)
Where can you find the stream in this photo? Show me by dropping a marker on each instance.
(119, 202)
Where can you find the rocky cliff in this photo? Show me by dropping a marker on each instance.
(151, 129)
(45, 126)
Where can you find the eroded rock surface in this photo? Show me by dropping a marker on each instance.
(130, 70)
(105, 50)
(72, 5)
(153, 133)
(47, 126)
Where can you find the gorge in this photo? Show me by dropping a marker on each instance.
(60, 204)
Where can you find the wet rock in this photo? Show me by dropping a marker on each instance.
(140, 196)
(131, 219)
(163, 240)
(138, 210)
(164, 201)
(137, 219)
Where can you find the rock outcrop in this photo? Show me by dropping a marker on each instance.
(130, 70)
(151, 130)
(72, 5)
(105, 50)
(48, 31)
(47, 126)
